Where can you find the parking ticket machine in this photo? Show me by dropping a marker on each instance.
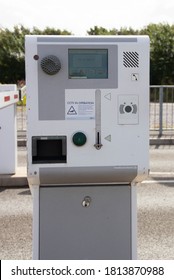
(88, 141)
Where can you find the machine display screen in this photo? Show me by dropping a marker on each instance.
(88, 63)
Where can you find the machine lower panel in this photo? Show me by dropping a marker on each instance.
(85, 222)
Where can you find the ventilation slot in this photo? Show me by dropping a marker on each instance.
(131, 59)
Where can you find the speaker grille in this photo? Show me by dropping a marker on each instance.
(50, 64)
(131, 59)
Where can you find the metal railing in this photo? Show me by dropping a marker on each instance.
(161, 111)
(21, 114)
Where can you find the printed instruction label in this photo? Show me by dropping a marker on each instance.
(80, 104)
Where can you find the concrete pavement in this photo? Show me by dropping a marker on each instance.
(15, 223)
(20, 178)
(155, 210)
(155, 205)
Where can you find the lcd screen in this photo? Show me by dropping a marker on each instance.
(88, 63)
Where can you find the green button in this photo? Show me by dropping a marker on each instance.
(79, 139)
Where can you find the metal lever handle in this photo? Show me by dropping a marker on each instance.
(98, 144)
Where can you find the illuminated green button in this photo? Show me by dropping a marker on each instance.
(79, 139)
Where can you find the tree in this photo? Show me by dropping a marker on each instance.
(161, 53)
(12, 54)
(12, 61)
(101, 31)
(12, 51)
(161, 50)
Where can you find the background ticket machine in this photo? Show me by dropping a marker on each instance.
(88, 141)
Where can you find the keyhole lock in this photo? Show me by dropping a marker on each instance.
(86, 201)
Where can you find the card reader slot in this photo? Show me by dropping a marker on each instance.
(48, 149)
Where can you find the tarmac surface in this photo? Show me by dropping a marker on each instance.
(155, 205)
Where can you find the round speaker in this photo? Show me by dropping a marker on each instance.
(50, 64)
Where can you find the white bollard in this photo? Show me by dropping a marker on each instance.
(8, 132)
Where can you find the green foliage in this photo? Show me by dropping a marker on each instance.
(162, 49)
(162, 53)
(103, 31)
(12, 51)
(12, 54)
(12, 61)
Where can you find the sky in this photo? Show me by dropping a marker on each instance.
(78, 16)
